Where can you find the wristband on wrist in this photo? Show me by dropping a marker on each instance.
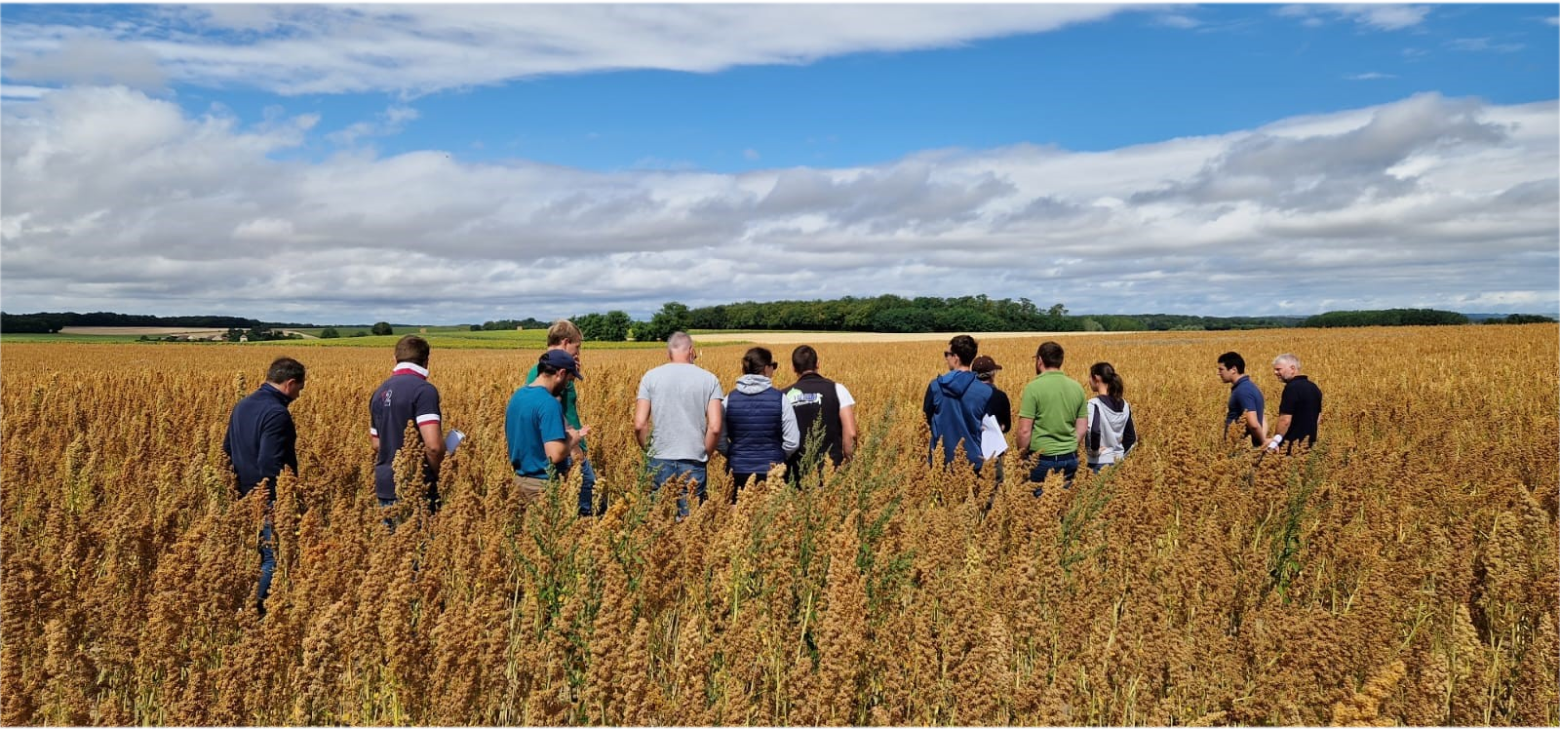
(1278, 438)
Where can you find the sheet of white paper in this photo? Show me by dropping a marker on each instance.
(992, 441)
(452, 440)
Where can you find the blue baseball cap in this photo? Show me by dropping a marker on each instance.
(560, 360)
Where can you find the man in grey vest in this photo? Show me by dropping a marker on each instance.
(820, 403)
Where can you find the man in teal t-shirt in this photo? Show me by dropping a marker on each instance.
(563, 335)
(1052, 417)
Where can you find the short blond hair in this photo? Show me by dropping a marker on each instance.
(563, 330)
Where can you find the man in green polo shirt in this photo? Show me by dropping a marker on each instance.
(1052, 417)
(563, 335)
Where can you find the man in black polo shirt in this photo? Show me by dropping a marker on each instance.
(1299, 409)
(260, 442)
(406, 397)
(820, 403)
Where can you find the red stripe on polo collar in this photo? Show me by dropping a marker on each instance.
(409, 368)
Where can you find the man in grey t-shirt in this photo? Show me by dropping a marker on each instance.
(685, 403)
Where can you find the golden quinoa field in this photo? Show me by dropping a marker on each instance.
(1404, 571)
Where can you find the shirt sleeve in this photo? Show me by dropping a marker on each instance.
(927, 403)
(1129, 439)
(428, 407)
(723, 445)
(790, 435)
(840, 392)
(644, 387)
(530, 375)
(714, 388)
(1083, 405)
(551, 426)
(1095, 426)
(1247, 400)
(373, 414)
(1028, 405)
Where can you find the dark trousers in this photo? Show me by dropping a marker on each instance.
(1067, 464)
(588, 491)
(267, 563)
(741, 479)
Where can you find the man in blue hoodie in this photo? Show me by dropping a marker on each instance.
(955, 403)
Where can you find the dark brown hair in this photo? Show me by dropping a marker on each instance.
(1108, 375)
(412, 349)
(755, 360)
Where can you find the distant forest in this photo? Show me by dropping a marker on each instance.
(45, 322)
(887, 313)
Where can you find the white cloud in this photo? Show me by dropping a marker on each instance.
(89, 60)
(1378, 16)
(1177, 20)
(750, 154)
(389, 122)
(12, 91)
(117, 200)
(412, 49)
(264, 229)
(1483, 44)
(1369, 76)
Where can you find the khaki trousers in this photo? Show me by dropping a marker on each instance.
(530, 488)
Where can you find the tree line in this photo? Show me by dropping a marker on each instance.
(47, 322)
(890, 313)
(886, 313)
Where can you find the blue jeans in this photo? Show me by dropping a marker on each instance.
(664, 469)
(267, 563)
(588, 491)
(1067, 464)
(389, 525)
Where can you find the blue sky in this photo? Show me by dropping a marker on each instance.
(660, 138)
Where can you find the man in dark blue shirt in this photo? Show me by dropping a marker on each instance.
(406, 397)
(260, 441)
(1246, 402)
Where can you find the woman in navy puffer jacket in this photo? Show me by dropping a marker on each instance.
(760, 427)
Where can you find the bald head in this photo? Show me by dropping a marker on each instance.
(679, 347)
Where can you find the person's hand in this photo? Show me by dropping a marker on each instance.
(583, 431)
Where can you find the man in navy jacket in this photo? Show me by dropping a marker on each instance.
(261, 441)
(955, 403)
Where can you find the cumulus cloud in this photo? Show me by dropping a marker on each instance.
(118, 200)
(412, 49)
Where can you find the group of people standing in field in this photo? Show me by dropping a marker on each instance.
(682, 418)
